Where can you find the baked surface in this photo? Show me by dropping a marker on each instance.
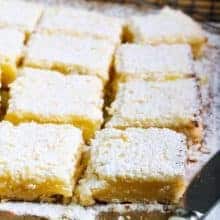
(68, 53)
(167, 26)
(38, 162)
(78, 22)
(11, 52)
(134, 165)
(50, 97)
(171, 104)
(162, 62)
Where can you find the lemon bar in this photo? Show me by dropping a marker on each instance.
(171, 104)
(168, 26)
(20, 14)
(11, 53)
(47, 96)
(162, 62)
(81, 23)
(68, 53)
(39, 162)
(134, 165)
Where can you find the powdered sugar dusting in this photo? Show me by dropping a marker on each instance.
(84, 55)
(123, 153)
(81, 23)
(155, 103)
(154, 61)
(54, 90)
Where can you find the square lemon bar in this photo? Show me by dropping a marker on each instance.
(39, 162)
(172, 104)
(47, 96)
(23, 15)
(11, 53)
(134, 165)
(78, 22)
(168, 26)
(162, 62)
(68, 53)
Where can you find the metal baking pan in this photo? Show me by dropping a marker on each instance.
(208, 66)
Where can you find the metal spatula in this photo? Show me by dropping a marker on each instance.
(202, 194)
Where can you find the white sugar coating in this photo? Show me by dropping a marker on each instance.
(138, 153)
(85, 55)
(169, 103)
(39, 153)
(11, 44)
(166, 26)
(146, 61)
(21, 14)
(82, 23)
(49, 93)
